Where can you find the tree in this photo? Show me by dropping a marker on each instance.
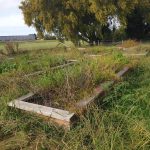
(138, 21)
(87, 20)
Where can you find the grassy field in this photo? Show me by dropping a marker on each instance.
(119, 121)
(37, 45)
(66, 85)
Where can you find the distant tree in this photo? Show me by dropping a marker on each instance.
(138, 21)
(87, 20)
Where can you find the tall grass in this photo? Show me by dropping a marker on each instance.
(119, 121)
(60, 88)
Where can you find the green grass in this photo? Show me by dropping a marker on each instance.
(119, 121)
(37, 45)
(99, 49)
(67, 85)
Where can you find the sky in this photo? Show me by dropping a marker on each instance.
(11, 19)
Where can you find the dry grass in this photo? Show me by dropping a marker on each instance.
(120, 121)
(129, 43)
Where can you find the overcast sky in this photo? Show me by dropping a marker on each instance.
(11, 19)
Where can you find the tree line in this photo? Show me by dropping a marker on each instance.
(89, 20)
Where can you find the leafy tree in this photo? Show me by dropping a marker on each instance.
(87, 20)
(138, 21)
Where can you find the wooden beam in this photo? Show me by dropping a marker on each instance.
(63, 66)
(25, 97)
(100, 90)
(61, 117)
(123, 72)
(85, 102)
(138, 55)
(70, 63)
(98, 55)
(34, 74)
(81, 48)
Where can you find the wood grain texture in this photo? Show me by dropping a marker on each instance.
(42, 110)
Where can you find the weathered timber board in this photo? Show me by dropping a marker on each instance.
(42, 110)
(136, 55)
(71, 62)
(25, 97)
(58, 116)
(123, 72)
(97, 55)
(100, 91)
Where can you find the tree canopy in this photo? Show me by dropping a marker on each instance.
(89, 20)
(138, 21)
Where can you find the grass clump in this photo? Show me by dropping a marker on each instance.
(11, 48)
(129, 43)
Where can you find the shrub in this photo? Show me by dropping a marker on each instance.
(12, 48)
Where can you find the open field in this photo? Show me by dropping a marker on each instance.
(37, 45)
(119, 121)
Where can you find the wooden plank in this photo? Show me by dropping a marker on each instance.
(63, 66)
(70, 63)
(140, 54)
(87, 101)
(100, 90)
(72, 60)
(98, 55)
(25, 97)
(58, 116)
(122, 72)
(34, 74)
(42, 110)
(81, 48)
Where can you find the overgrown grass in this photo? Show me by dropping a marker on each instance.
(129, 43)
(120, 121)
(58, 88)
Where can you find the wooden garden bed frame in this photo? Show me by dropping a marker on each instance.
(61, 117)
(70, 63)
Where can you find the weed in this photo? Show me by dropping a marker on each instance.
(6, 67)
(120, 121)
(11, 48)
